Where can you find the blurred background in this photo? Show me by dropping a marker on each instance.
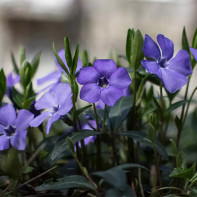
(99, 26)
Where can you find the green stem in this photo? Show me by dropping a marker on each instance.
(104, 119)
(161, 114)
(96, 117)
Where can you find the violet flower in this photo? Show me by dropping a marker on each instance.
(10, 82)
(172, 72)
(103, 81)
(57, 102)
(55, 77)
(194, 52)
(13, 129)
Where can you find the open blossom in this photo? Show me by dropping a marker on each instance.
(13, 129)
(55, 77)
(57, 102)
(103, 81)
(172, 72)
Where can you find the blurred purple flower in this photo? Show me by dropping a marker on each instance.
(194, 52)
(13, 129)
(10, 82)
(55, 77)
(172, 72)
(57, 102)
(103, 81)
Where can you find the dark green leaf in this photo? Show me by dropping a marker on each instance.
(74, 181)
(16, 69)
(75, 61)
(18, 98)
(127, 192)
(183, 172)
(85, 58)
(130, 165)
(144, 139)
(81, 110)
(68, 55)
(178, 123)
(194, 41)
(2, 85)
(119, 112)
(185, 44)
(35, 63)
(157, 105)
(130, 36)
(176, 105)
(62, 145)
(61, 63)
(27, 104)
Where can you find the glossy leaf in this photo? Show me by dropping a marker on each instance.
(176, 105)
(68, 55)
(75, 61)
(81, 110)
(2, 85)
(185, 44)
(130, 36)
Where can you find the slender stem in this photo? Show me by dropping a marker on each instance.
(182, 115)
(161, 115)
(104, 119)
(115, 156)
(96, 117)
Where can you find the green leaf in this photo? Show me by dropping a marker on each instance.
(144, 139)
(178, 123)
(85, 58)
(16, 69)
(22, 53)
(61, 63)
(174, 147)
(137, 53)
(130, 36)
(114, 176)
(68, 55)
(127, 192)
(157, 105)
(62, 145)
(119, 112)
(28, 102)
(35, 63)
(18, 98)
(194, 41)
(75, 61)
(176, 105)
(130, 165)
(183, 172)
(74, 181)
(185, 44)
(81, 110)
(2, 85)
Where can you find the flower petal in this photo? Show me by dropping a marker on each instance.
(46, 101)
(39, 119)
(11, 81)
(166, 45)
(120, 78)
(152, 67)
(172, 80)
(105, 67)
(66, 107)
(181, 63)
(51, 77)
(110, 95)
(61, 92)
(7, 115)
(18, 141)
(4, 142)
(23, 119)
(51, 120)
(194, 53)
(90, 92)
(150, 48)
(88, 75)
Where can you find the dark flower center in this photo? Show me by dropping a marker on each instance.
(56, 108)
(162, 62)
(103, 82)
(10, 130)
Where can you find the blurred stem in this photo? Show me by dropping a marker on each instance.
(104, 119)
(96, 117)
(182, 115)
(115, 156)
(161, 114)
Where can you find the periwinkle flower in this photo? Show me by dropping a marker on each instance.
(13, 129)
(103, 81)
(55, 77)
(172, 72)
(11, 80)
(194, 52)
(57, 102)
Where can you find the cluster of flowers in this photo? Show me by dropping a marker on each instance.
(103, 82)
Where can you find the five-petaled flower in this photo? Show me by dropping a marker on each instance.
(13, 129)
(172, 72)
(57, 102)
(103, 81)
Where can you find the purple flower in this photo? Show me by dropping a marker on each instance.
(194, 52)
(55, 77)
(13, 129)
(57, 102)
(103, 81)
(10, 82)
(172, 72)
